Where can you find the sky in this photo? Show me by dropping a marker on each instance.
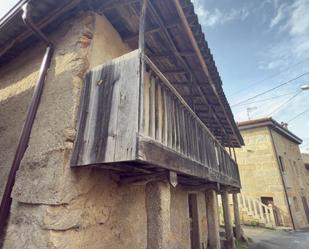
(257, 45)
(6, 5)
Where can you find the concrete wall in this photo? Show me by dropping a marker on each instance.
(260, 174)
(55, 206)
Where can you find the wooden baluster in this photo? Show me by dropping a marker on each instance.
(198, 142)
(164, 118)
(188, 132)
(202, 146)
(146, 104)
(193, 138)
(151, 120)
(174, 135)
(206, 152)
(156, 106)
(170, 119)
(183, 130)
(178, 132)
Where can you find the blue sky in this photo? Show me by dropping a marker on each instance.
(257, 44)
(6, 5)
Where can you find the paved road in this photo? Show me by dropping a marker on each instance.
(274, 239)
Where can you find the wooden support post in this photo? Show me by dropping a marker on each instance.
(227, 221)
(212, 219)
(235, 158)
(236, 217)
(158, 200)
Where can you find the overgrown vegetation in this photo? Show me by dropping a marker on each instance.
(241, 244)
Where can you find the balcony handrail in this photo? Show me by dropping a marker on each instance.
(147, 60)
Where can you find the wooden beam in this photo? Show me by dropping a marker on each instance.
(201, 188)
(154, 153)
(143, 179)
(202, 62)
(174, 71)
(116, 3)
(186, 66)
(168, 54)
(150, 31)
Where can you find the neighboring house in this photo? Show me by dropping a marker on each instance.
(305, 176)
(127, 148)
(271, 170)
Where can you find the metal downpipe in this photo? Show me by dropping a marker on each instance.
(27, 127)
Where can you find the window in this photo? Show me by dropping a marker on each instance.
(281, 164)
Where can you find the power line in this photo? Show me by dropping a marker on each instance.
(298, 115)
(269, 90)
(267, 78)
(284, 103)
(261, 100)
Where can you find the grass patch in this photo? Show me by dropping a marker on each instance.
(240, 244)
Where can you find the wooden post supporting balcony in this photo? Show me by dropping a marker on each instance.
(236, 217)
(158, 200)
(212, 219)
(227, 221)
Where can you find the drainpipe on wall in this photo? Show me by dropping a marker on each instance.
(282, 178)
(27, 127)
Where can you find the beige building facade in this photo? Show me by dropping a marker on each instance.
(123, 205)
(271, 170)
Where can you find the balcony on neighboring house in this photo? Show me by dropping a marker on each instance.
(131, 115)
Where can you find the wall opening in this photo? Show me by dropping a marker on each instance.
(270, 200)
(194, 223)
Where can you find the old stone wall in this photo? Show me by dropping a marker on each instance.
(293, 164)
(304, 171)
(259, 170)
(180, 221)
(55, 206)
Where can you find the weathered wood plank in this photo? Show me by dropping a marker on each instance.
(108, 121)
(154, 153)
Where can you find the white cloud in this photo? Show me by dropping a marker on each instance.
(217, 16)
(299, 20)
(291, 25)
(279, 16)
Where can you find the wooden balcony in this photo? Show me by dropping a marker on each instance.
(131, 115)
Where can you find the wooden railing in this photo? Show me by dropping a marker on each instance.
(130, 112)
(168, 119)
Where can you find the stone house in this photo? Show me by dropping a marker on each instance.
(271, 171)
(124, 142)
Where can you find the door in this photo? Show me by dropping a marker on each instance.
(194, 223)
(270, 200)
